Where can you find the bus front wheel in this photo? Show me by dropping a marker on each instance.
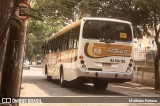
(62, 81)
(49, 77)
(46, 72)
(100, 84)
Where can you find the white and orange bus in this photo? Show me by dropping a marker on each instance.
(92, 50)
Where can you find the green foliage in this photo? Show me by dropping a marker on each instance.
(139, 12)
(39, 31)
(56, 13)
(32, 13)
(54, 19)
(30, 47)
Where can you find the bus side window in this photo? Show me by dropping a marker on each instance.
(70, 34)
(67, 41)
(52, 45)
(77, 32)
(49, 47)
(62, 43)
(59, 44)
(55, 45)
(72, 39)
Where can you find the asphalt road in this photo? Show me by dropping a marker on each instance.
(34, 84)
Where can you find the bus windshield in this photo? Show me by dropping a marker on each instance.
(96, 29)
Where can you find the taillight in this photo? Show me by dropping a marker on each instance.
(82, 61)
(130, 64)
(131, 60)
(81, 57)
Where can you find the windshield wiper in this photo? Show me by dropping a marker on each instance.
(109, 41)
(106, 40)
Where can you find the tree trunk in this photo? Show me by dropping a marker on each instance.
(13, 64)
(156, 62)
(4, 15)
(157, 58)
(5, 12)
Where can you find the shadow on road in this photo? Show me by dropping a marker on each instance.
(52, 88)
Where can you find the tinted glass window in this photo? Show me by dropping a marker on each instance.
(107, 30)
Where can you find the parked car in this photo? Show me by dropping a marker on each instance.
(39, 62)
(26, 65)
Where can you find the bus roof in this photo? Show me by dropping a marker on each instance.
(106, 19)
(73, 25)
(65, 29)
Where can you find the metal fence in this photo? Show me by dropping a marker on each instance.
(144, 57)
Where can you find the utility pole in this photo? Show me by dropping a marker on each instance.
(13, 63)
(17, 61)
(15, 49)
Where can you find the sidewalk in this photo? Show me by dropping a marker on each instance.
(143, 87)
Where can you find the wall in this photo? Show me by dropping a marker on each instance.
(144, 75)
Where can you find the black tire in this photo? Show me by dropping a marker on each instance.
(49, 77)
(100, 84)
(46, 72)
(62, 81)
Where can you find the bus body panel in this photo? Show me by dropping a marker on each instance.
(98, 59)
(108, 61)
(68, 59)
(114, 68)
(114, 63)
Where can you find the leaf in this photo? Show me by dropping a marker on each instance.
(32, 13)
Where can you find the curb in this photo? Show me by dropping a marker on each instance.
(157, 91)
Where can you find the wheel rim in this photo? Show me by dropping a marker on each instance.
(61, 79)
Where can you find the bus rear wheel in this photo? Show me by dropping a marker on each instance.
(49, 77)
(100, 84)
